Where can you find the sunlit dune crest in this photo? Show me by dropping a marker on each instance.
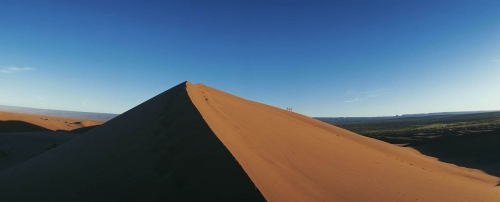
(194, 142)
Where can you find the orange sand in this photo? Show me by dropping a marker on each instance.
(291, 157)
(49, 122)
(195, 142)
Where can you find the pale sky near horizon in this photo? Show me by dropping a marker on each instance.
(322, 58)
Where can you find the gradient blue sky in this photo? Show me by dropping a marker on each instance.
(344, 58)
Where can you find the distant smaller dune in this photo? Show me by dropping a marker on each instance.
(60, 113)
(18, 122)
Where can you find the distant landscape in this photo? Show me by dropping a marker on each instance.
(469, 139)
(50, 112)
(341, 120)
(423, 125)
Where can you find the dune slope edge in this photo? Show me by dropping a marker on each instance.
(291, 157)
(161, 150)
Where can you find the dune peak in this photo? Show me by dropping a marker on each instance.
(194, 142)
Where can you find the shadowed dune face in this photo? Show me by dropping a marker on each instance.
(161, 150)
(83, 130)
(16, 148)
(19, 126)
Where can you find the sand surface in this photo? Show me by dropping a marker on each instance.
(291, 157)
(194, 142)
(16, 148)
(25, 136)
(20, 122)
(161, 150)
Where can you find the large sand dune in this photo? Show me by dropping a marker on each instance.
(160, 150)
(293, 157)
(22, 122)
(195, 142)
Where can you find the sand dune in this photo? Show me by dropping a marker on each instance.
(16, 148)
(160, 150)
(194, 142)
(292, 157)
(25, 136)
(19, 126)
(20, 122)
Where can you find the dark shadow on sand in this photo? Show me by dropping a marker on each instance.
(478, 150)
(20, 126)
(83, 130)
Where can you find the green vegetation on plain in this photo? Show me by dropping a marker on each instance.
(441, 124)
(467, 140)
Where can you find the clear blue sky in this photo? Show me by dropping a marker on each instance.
(344, 58)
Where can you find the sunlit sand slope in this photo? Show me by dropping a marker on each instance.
(291, 157)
